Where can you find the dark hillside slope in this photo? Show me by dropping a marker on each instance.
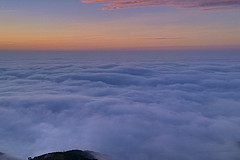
(68, 155)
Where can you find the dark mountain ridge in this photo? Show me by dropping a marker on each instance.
(68, 155)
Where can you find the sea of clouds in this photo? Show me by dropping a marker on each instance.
(4, 156)
(137, 109)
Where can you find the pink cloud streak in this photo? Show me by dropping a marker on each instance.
(203, 4)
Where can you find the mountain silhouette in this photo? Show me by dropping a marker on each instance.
(72, 155)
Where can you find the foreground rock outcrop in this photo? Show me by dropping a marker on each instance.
(72, 155)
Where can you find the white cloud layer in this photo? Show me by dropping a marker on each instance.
(6, 157)
(137, 110)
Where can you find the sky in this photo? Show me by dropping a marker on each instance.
(119, 24)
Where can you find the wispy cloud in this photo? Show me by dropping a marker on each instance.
(203, 4)
(165, 38)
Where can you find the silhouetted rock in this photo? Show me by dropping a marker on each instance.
(68, 155)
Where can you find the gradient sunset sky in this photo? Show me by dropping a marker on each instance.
(119, 24)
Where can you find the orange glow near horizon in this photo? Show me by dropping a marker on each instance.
(128, 33)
